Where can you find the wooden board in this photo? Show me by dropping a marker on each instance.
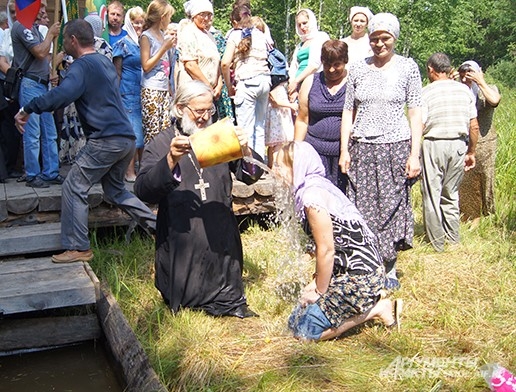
(21, 199)
(39, 284)
(33, 333)
(28, 239)
(131, 359)
(3, 203)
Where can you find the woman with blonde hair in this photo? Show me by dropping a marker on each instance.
(156, 58)
(279, 125)
(306, 59)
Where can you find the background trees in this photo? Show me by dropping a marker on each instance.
(483, 30)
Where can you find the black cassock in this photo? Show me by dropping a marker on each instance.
(199, 257)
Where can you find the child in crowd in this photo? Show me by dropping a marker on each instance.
(279, 126)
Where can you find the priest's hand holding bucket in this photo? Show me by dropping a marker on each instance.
(179, 146)
(243, 140)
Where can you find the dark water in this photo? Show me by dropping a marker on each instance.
(84, 367)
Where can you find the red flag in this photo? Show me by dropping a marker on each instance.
(27, 11)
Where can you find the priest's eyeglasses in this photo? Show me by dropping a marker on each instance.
(198, 113)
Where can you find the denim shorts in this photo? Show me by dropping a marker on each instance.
(308, 322)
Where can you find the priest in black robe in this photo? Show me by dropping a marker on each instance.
(199, 258)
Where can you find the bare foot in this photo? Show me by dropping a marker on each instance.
(383, 310)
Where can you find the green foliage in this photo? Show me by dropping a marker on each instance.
(504, 72)
(459, 304)
(483, 30)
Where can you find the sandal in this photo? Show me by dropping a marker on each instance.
(397, 307)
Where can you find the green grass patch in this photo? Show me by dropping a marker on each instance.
(459, 310)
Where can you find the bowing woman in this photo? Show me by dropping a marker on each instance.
(349, 274)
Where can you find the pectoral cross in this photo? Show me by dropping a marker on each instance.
(202, 186)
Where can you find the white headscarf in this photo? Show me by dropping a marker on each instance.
(312, 25)
(385, 22)
(128, 26)
(195, 7)
(96, 24)
(476, 68)
(360, 10)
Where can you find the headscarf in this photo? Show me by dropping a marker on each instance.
(96, 23)
(385, 22)
(195, 7)
(360, 10)
(128, 26)
(312, 25)
(476, 68)
(312, 189)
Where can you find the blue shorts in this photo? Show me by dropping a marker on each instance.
(308, 322)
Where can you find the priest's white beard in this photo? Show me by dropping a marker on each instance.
(190, 127)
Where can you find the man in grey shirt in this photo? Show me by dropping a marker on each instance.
(31, 54)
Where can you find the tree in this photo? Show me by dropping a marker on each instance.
(483, 30)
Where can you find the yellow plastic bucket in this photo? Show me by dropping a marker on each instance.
(216, 144)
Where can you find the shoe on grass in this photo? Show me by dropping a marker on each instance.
(72, 256)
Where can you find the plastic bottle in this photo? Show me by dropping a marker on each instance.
(498, 378)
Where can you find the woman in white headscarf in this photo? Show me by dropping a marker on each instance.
(127, 60)
(358, 41)
(379, 144)
(476, 192)
(306, 59)
(199, 57)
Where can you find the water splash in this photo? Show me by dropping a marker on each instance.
(292, 276)
(258, 163)
(292, 264)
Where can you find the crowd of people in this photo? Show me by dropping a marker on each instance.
(350, 129)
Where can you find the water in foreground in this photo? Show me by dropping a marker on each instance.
(79, 368)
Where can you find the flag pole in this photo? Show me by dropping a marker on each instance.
(57, 8)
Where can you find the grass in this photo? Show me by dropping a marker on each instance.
(459, 311)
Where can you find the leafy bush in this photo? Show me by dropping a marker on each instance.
(504, 72)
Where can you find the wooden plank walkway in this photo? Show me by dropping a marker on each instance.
(38, 284)
(30, 288)
(30, 218)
